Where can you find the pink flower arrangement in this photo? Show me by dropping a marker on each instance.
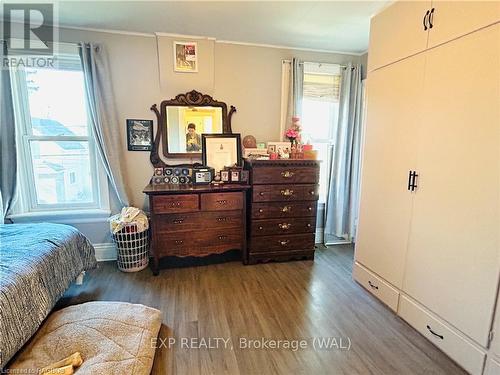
(291, 134)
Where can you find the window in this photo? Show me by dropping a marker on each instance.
(59, 169)
(320, 107)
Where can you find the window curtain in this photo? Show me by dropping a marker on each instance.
(295, 91)
(343, 192)
(103, 118)
(8, 164)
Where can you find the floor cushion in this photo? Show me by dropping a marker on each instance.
(112, 337)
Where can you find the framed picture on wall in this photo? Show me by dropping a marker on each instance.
(186, 57)
(221, 150)
(139, 135)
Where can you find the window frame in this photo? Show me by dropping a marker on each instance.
(28, 199)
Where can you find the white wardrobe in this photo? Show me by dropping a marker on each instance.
(428, 240)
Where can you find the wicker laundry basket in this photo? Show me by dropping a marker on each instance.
(132, 248)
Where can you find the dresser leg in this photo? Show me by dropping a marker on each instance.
(155, 266)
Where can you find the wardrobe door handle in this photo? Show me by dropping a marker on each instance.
(372, 285)
(431, 18)
(434, 333)
(425, 20)
(410, 175)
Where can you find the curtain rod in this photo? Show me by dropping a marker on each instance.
(316, 63)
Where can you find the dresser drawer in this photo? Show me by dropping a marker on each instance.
(450, 341)
(280, 226)
(178, 244)
(217, 241)
(281, 243)
(178, 222)
(221, 201)
(175, 203)
(284, 175)
(376, 285)
(283, 209)
(269, 193)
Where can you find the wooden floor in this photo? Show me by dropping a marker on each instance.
(287, 301)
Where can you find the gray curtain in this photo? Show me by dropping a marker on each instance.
(296, 91)
(8, 164)
(103, 118)
(343, 192)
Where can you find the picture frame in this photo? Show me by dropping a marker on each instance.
(224, 176)
(221, 150)
(235, 175)
(185, 57)
(139, 135)
(278, 146)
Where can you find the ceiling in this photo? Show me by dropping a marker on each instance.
(326, 25)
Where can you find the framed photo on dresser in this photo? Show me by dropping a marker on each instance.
(221, 150)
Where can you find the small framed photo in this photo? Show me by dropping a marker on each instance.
(271, 148)
(139, 135)
(224, 176)
(244, 176)
(186, 57)
(235, 176)
(221, 150)
(279, 147)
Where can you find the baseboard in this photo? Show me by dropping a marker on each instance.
(105, 251)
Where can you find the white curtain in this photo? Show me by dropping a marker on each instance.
(103, 118)
(292, 91)
(8, 164)
(343, 193)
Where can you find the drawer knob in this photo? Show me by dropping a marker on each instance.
(285, 226)
(175, 204)
(286, 209)
(287, 174)
(312, 192)
(434, 333)
(179, 242)
(309, 225)
(287, 192)
(222, 237)
(284, 242)
(220, 219)
(261, 227)
(261, 210)
(178, 221)
(222, 201)
(310, 208)
(373, 286)
(261, 193)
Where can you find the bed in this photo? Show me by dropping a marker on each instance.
(38, 262)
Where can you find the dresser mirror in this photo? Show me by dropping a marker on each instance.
(181, 122)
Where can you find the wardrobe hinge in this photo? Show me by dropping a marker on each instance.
(490, 337)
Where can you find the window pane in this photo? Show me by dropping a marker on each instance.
(62, 172)
(56, 102)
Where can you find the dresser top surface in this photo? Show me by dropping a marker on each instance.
(282, 163)
(192, 189)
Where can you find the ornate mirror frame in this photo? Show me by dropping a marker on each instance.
(190, 99)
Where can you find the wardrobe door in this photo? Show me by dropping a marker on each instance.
(453, 255)
(393, 97)
(452, 19)
(397, 32)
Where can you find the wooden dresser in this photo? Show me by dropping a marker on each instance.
(282, 209)
(196, 220)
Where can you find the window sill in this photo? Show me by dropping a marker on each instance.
(63, 217)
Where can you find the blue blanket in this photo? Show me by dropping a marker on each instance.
(38, 262)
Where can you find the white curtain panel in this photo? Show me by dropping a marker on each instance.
(102, 114)
(343, 193)
(8, 164)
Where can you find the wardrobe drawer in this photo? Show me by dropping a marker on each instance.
(283, 209)
(221, 201)
(175, 203)
(281, 243)
(280, 226)
(376, 285)
(283, 175)
(270, 193)
(450, 341)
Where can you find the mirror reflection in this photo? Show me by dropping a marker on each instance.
(186, 124)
